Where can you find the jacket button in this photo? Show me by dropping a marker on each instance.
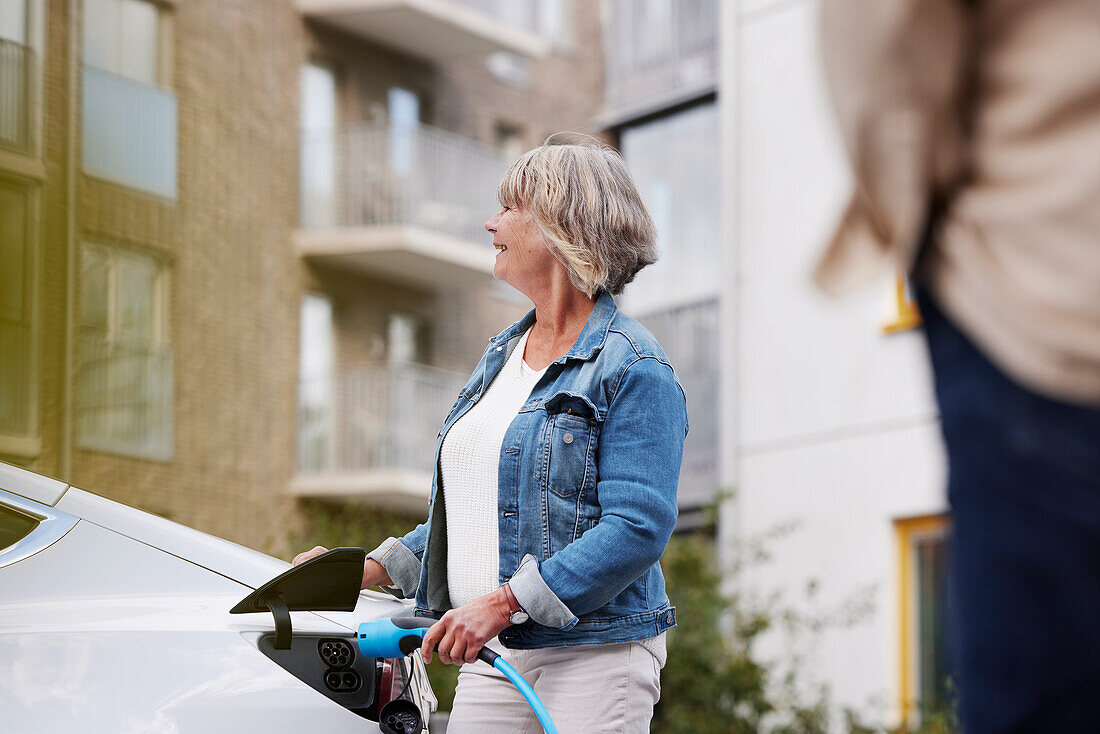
(568, 438)
(500, 349)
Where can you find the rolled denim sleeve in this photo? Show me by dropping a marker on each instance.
(401, 557)
(536, 598)
(638, 455)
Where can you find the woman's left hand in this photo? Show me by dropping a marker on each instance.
(460, 634)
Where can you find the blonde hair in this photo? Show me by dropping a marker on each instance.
(587, 208)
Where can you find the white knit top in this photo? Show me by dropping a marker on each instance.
(470, 462)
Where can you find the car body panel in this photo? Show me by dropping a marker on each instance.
(52, 526)
(136, 640)
(115, 620)
(30, 485)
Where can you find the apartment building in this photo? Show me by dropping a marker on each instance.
(240, 249)
(661, 76)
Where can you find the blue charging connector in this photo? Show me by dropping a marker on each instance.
(400, 636)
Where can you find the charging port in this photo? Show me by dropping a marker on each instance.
(342, 681)
(336, 653)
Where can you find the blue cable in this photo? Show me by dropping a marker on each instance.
(400, 636)
(528, 693)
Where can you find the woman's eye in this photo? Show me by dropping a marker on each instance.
(506, 209)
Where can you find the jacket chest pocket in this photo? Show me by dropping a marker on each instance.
(567, 455)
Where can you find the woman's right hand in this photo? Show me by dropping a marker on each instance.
(373, 572)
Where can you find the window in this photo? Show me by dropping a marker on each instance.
(315, 385)
(16, 298)
(14, 526)
(509, 140)
(923, 547)
(123, 37)
(17, 75)
(404, 117)
(674, 161)
(404, 339)
(125, 401)
(129, 117)
(317, 163)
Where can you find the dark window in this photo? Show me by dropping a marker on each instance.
(14, 527)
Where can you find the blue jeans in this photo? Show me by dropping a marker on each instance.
(1024, 489)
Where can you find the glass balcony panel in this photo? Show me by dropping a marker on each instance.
(656, 50)
(689, 336)
(413, 175)
(375, 418)
(16, 65)
(129, 132)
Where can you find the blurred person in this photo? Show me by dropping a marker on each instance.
(973, 129)
(554, 493)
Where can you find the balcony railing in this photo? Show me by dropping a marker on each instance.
(659, 51)
(15, 393)
(412, 175)
(125, 403)
(689, 336)
(129, 132)
(16, 73)
(376, 418)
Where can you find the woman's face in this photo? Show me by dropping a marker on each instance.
(523, 259)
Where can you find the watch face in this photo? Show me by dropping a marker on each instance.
(518, 617)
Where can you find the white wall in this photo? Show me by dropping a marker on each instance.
(834, 422)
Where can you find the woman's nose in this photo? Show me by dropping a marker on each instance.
(491, 225)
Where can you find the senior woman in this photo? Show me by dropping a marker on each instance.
(554, 493)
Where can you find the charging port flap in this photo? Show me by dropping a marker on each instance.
(328, 583)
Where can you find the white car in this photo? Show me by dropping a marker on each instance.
(114, 620)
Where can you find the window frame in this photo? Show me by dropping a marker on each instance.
(164, 50)
(906, 531)
(902, 311)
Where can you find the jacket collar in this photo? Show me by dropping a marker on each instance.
(591, 338)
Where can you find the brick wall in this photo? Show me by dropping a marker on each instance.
(235, 282)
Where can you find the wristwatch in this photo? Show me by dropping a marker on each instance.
(519, 616)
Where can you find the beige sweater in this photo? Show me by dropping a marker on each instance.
(991, 108)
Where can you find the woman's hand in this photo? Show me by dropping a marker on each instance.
(311, 553)
(462, 632)
(373, 572)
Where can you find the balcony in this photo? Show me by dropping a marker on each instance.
(16, 73)
(658, 54)
(404, 203)
(437, 30)
(129, 132)
(124, 402)
(689, 336)
(370, 433)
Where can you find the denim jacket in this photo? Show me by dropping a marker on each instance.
(587, 490)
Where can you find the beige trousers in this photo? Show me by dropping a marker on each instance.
(586, 689)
